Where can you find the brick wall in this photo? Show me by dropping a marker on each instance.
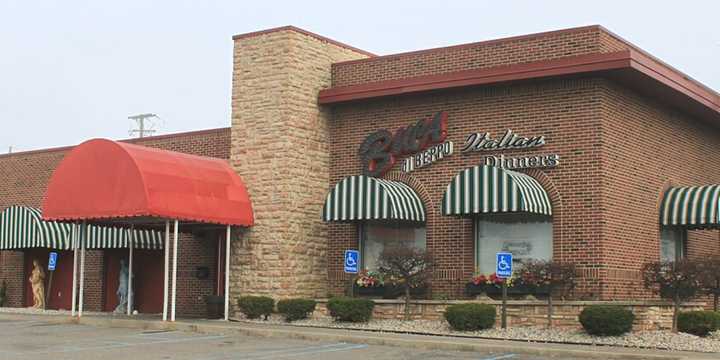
(279, 147)
(515, 50)
(647, 148)
(14, 280)
(23, 180)
(195, 251)
(617, 151)
(566, 112)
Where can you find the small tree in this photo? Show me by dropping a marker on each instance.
(555, 275)
(710, 278)
(406, 266)
(677, 281)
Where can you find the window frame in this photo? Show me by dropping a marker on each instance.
(362, 235)
(489, 217)
(681, 247)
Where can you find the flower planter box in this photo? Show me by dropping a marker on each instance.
(489, 289)
(389, 292)
(393, 292)
(374, 291)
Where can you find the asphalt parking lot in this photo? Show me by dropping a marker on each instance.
(37, 339)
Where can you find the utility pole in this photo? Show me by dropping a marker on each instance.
(140, 120)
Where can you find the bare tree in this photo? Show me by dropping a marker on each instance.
(677, 281)
(407, 267)
(555, 275)
(710, 277)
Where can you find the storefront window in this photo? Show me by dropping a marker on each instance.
(378, 235)
(525, 236)
(672, 243)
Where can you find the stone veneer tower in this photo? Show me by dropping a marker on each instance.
(280, 149)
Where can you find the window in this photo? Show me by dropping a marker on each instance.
(672, 243)
(526, 236)
(377, 235)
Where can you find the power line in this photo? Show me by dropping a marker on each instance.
(140, 120)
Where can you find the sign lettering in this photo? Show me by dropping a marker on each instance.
(427, 157)
(509, 141)
(381, 149)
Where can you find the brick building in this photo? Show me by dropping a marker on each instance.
(604, 108)
(24, 178)
(572, 145)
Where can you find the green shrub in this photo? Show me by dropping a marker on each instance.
(699, 323)
(350, 309)
(470, 317)
(296, 309)
(255, 306)
(606, 320)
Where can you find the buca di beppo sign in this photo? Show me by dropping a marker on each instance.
(381, 149)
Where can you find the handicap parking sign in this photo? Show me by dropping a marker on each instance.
(352, 259)
(52, 261)
(503, 262)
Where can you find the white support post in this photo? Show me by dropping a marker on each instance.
(85, 231)
(167, 269)
(75, 237)
(227, 274)
(174, 273)
(131, 245)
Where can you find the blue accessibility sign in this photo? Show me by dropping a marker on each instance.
(503, 262)
(52, 261)
(352, 261)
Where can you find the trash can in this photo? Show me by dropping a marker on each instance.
(215, 306)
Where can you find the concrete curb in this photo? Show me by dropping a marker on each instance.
(373, 338)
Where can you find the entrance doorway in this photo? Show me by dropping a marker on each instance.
(60, 295)
(148, 268)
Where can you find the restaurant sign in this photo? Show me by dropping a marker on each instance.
(381, 149)
(479, 142)
(509, 141)
(424, 143)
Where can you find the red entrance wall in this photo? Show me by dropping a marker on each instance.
(60, 296)
(148, 281)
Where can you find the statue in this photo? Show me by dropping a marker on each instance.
(123, 292)
(37, 281)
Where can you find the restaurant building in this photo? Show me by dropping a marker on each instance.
(572, 145)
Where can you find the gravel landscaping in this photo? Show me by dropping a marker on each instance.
(645, 339)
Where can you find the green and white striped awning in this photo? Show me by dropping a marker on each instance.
(692, 206)
(105, 237)
(22, 227)
(488, 189)
(362, 197)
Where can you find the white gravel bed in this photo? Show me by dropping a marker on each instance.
(665, 340)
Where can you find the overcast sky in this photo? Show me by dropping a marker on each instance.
(75, 70)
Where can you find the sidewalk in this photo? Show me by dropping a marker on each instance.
(374, 338)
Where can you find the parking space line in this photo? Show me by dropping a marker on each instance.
(347, 347)
(506, 356)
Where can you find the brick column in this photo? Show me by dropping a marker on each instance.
(280, 149)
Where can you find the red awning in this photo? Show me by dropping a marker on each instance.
(103, 179)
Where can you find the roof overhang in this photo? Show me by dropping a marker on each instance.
(631, 68)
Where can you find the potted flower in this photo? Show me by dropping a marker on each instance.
(488, 284)
(369, 283)
(533, 279)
